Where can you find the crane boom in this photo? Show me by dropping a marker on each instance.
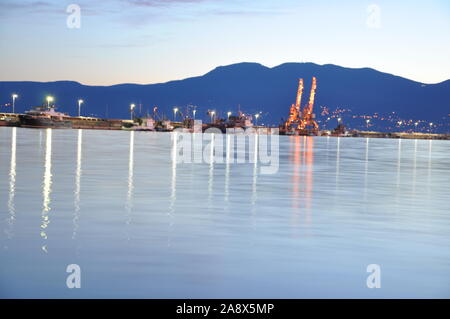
(312, 95)
(299, 95)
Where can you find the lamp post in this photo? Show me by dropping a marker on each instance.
(256, 117)
(367, 123)
(175, 110)
(212, 116)
(14, 97)
(228, 115)
(193, 112)
(80, 101)
(431, 126)
(132, 106)
(415, 124)
(49, 99)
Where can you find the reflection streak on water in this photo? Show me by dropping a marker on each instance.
(77, 183)
(303, 161)
(430, 143)
(296, 178)
(227, 168)
(173, 194)
(414, 171)
(255, 171)
(130, 171)
(130, 189)
(47, 186)
(309, 161)
(338, 149)
(366, 169)
(211, 169)
(12, 185)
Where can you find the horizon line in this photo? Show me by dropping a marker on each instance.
(227, 65)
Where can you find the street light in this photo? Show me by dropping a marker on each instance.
(212, 116)
(80, 101)
(431, 126)
(132, 106)
(175, 110)
(415, 124)
(14, 97)
(49, 99)
(193, 112)
(367, 121)
(229, 114)
(256, 116)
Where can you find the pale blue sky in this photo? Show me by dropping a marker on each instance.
(150, 41)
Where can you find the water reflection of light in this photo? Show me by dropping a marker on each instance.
(296, 161)
(77, 183)
(255, 170)
(129, 204)
(12, 184)
(130, 170)
(366, 169)
(302, 191)
(414, 169)
(430, 143)
(173, 195)
(309, 161)
(227, 167)
(211, 169)
(47, 186)
(399, 162)
(338, 149)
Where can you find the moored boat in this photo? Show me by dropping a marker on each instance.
(45, 117)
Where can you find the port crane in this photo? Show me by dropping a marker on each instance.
(303, 121)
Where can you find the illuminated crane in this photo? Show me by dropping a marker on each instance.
(294, 114)
(303, 120)
(308, 116)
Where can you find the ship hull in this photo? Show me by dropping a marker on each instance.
(40, 122)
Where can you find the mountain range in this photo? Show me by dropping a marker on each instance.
(250, 87)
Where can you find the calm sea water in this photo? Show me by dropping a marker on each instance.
(140, 225)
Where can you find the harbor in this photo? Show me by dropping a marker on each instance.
(301, 121)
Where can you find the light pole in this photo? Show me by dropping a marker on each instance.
(339, 120)
(228, 115)
(175, 110)
(132, 106)
(256, 117)
(14, 97)
(415, 124)
(367, 123)
(212, 116)
(80, 101)
(193, 112)
(431, 126)
(49, 99)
